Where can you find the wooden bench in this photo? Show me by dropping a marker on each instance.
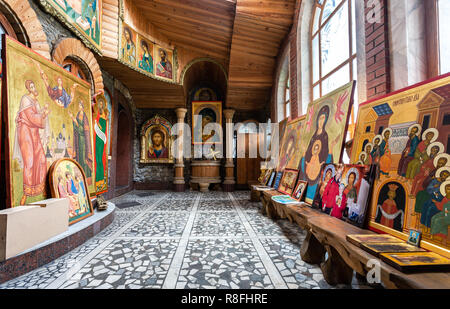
(326, 234)
(344, 257)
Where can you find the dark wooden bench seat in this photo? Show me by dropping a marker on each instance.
(326, 234)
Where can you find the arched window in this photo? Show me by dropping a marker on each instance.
(283, 96)
(287, 99)
(333, 45)
(444, 38)
(75, 68)
(80, 69)
(5, 28)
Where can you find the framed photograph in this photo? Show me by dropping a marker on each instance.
(287, 183)
(289, 151)
(277, 180)
(271, 179)
(409, 262)
(330, 196)
(378, 248)
(359, 239)
(207, 123)
(67, 180)
(156, 141)
(344, 192)
(414, 238)
(266, 176)
(299, 190)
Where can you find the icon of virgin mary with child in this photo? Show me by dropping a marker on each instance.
(318, 153)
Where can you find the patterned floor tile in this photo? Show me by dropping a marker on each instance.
(247, 205)
(120, 219)
(242, 195)
(215, 195)
(218, 224)
(159, 224)
(43, 276)
(215, 205)
(223, 264)
(127, 264)
(175, 205)
(222, 242)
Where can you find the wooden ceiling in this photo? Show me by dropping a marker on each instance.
(259, 29)
(204, 26)
(243, 35)
(146, 92)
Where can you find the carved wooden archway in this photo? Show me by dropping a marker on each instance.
(72, 47)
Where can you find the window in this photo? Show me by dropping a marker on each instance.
(444, 38)
(446, 120)
(287, 99)
(426, 122)
(333, 43)
(5, 28)
(73, 67)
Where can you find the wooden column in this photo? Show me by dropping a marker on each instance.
(179, 184)
(229, 182)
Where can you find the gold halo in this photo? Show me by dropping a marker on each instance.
(435, 137)
(440, 145)
(368, 144)
(377, 136)
(362, 153)
(442, 155)
(418, 131)
(385, 130)
(439, 171)
(442, 187)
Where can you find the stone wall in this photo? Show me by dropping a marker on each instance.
(151, 175)
(54, 30)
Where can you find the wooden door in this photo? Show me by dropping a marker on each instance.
(248, 169)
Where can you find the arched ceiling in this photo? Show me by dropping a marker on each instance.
(205, 72)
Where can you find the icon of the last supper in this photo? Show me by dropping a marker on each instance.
(407, 137)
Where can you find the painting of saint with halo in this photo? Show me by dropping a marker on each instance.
(323, 135)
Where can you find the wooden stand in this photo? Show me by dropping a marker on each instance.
(205, 173)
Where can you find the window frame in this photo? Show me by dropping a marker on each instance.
(352, 53)
(432, 38)
(9, 30)
(75, 69)
(287, 102)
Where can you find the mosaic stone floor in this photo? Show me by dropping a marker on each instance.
(188, 240)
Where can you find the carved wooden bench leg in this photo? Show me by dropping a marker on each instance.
(312, 251)
(254, 196)
(264, 205)
(271, 210)
(335, 270)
